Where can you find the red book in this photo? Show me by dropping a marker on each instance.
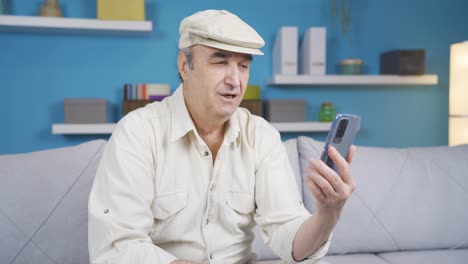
(143, 92)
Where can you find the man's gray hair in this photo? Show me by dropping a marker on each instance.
(189, 55)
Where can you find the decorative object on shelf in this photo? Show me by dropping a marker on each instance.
(121, 9)
(313, 51)
(252, 92)
(327, 112)
(351, 67)
(458, 94)
(81, 111)
(252, 100)
(403, 62)
(50, 8)
(290, 110)
(130, 105)
(285, 51)
(343, 14)
(139, 95)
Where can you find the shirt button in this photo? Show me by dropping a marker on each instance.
(211, 256)
(206, 153)
(207, 221)
(211, 188)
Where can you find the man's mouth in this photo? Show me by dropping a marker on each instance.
(229, 96)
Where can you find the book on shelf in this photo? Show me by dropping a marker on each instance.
(146, 91)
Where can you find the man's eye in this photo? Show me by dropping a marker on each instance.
(221, 62)
(244, 66)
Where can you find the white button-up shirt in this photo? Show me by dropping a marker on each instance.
(158, 196)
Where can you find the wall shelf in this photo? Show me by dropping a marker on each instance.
(353, 80)
(38, 24)
(82, 129)
(302, 126)
(107, 128)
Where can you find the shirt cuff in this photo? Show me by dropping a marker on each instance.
(144, 253)
(282, 242)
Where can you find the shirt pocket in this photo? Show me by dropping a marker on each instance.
(240, 209)
(165, 209)
(167, 205)
(241, 202)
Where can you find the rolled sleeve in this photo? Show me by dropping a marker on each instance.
(283, 241)
(280, 211)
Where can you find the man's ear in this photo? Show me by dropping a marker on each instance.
(182, 65)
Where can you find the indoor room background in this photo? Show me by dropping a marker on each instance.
(39, 70)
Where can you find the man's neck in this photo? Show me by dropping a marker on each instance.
(210, 129)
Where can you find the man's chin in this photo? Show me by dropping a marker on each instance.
(226, 114)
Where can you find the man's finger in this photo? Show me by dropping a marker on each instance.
(343, 166)
(329, 174)
(316, 191)
(352, 150)
(324, 185)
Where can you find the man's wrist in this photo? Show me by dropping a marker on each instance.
(328, 214)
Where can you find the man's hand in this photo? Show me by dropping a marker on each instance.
(331, 190)
(179, 261)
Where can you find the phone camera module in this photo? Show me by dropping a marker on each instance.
(341, 130)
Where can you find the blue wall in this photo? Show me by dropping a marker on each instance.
(38, 70)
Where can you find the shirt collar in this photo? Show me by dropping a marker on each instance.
(182, 123)
(232, 129)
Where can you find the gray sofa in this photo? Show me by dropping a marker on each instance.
(410, 205)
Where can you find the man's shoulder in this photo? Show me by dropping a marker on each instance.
(147, 116)
(245, 117)
(252, 124)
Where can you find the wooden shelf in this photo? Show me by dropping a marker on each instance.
(82, 129)
(38, 24)
(107, 128)
(302, 126)
(353, 80)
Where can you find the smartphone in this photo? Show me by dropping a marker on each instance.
(341, 135)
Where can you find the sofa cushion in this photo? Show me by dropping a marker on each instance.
(38, 190)
(406, 199)
(459, 256)
(31, 254)
(70, 219)
(337, 259)
(12, 239)
(354, 258)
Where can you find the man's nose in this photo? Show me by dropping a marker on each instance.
(232, 76)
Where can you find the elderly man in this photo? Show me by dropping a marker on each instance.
(185, 180)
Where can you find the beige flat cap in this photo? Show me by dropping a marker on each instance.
(219, 29)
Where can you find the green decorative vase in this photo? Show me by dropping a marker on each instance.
(327, 112)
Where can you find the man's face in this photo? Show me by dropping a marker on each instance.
(215, 85)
